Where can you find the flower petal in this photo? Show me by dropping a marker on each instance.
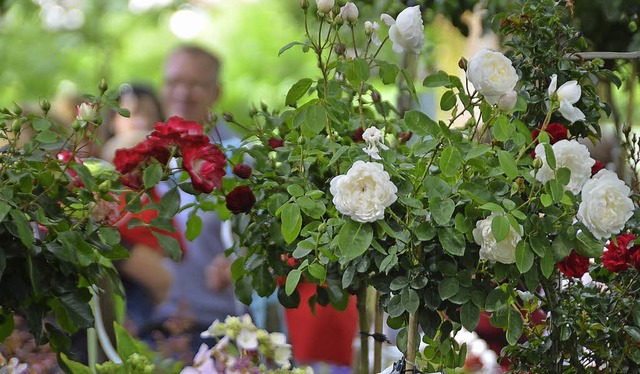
(553, 85)
(387, 19)
(570, 112)
(570, 91)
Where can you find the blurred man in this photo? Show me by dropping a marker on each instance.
(202, 290)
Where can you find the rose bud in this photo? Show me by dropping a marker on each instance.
(86, 111)
(240, 200)
(507, 100)
(242, 170)
(357, 135)
(276, 142)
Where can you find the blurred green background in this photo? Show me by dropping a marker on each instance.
(53, 47)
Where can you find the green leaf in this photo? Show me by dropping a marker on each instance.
(410, 300)
(448, 100)
(289, 45)
(170, 203)
(170, 245)
(492, 207)
(551, 158)
(450, 161)
(318, 271)
(295, 190)
(508, 164)
(500, 227)
(496, 299)
(291, 222)
(420, 124)
(588, 246)
(438, 79)
(354, 239)
(297, 91)
(556, 189)
(514, 326)
(7, 325)
(4, 210)
(633, 331)
(75, 367)
(77, 309)
(47, 137)
(524, 257)
(452, 241)
(151, 175)
(441, 210)
(448, 287)
(388, 72)
(436, 187)
(503, 129)
(358, 71)
(469, 316)
(563, 175)
(547, 263)
(126, 345)
(24, 230)
(410, 86)
(315, 120)
(477, 151)
(194, 227)
(292, 281)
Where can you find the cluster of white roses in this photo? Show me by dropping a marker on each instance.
(406, 31)
(605, 205)
(246, 337)
(366, 190)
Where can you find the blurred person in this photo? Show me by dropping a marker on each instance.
(202, 290)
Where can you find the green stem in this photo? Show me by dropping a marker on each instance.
(361, 303)
(377, 347)
(412, 342)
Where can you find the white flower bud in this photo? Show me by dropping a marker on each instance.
(349, 13)
(325, 6)
(507, 100)
(86, 111)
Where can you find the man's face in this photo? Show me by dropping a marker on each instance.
(190, 86)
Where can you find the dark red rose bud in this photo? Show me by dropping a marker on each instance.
(599, 165)
(405, 136)
(276, 142)
(462, 63)
(240, 200)
(375, 96)
(242, 170)
(357, 135)
(340, 49)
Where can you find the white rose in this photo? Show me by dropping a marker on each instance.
(349, 12)
(364, 192)
(503, 251)
(406, 31)
(492, 74)
(325, 6)
(373, 138)
(86, 111)
(569, 154)
(568, 94)
(605, 206)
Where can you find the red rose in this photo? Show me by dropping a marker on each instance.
(205, 165)
(574, 265)
(357, 135)
(131, 161)
(67, 157)
(179, 132)
(240, 200)
(599, 165)
(242, 170)
(275, 142)
(555, 130)
(617, 256)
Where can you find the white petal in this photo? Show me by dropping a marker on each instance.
(387, 19)
(553, 85)
(570, 112)
(570, 91)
